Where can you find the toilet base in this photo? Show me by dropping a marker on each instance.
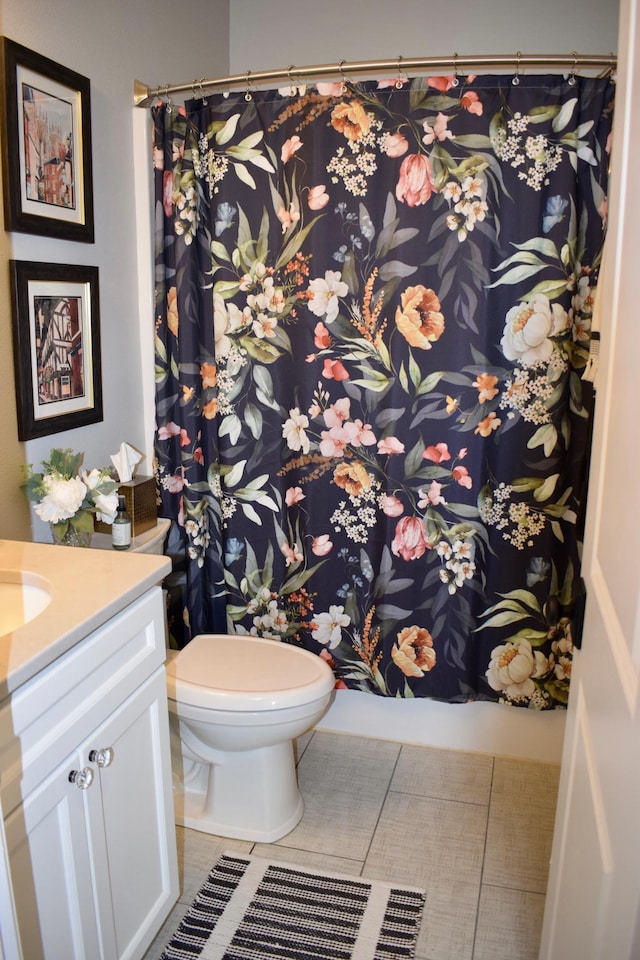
(188, 813)
(243, 795)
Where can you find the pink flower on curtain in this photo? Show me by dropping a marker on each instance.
(292, 554)
(318, 197)
(416, 182)
(471, 102)
(360, 434)
(439, 131)
(410, 541)
(174, 483)
(338, 412)
(431, 497)
(321, 336)
(437, 453)
(322, 545)
(288, 217)
(461, 476)
(329, 89)
(390, 446)
(391, 506)
(333, 442)
(394, 82)
(334, 370)
(293, 495)
(167, 192)
(168, 430)
(289, 147)
(395, 145)
(442, 83)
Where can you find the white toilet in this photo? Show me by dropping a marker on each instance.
(236, 704)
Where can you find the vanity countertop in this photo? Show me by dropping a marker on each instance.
(87, 588)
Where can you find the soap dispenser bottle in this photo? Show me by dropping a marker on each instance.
(121, 527)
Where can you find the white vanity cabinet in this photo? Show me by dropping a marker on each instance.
(86, 794)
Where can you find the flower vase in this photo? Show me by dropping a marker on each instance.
(72, 537)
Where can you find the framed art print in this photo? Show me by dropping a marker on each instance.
(46, 118)
(56, 326)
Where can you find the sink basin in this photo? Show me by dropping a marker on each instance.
(23, 596)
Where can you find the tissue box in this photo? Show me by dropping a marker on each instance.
(140, 499)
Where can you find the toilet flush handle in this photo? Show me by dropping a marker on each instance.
(103, 757)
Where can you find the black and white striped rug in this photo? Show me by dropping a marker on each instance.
(251, 909)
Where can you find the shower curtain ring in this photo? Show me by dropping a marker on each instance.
(201, 92)
(572, 76)
(292, 84)
(401, 77)
(168, 99)
(248, 95)
(344, 81)
(516, 79)
(455, 82)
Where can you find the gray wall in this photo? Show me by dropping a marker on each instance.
(276, 33)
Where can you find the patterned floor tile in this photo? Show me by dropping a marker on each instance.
(521, 820)
(438, 845)
(444, 774)
(509, 924)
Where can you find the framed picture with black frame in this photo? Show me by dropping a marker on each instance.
(56, 343)
(46, 135)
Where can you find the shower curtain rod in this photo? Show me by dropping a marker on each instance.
(144, 96)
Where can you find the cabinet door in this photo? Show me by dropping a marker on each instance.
(51, 870)
(132, 831)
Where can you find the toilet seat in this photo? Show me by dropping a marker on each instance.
(242, 673)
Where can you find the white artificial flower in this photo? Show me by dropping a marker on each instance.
(91, 478)
(62, 500)
(106, 506)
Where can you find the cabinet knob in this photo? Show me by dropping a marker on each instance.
(102, 757)
(82, 778)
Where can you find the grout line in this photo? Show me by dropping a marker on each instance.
(484, 856)
(384, 800)
(518, 889)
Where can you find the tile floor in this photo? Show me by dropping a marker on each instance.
(474, 830)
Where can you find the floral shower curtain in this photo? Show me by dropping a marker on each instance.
(373, 314)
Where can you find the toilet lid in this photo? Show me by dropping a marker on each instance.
(245, 673)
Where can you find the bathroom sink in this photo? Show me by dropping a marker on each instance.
(23, 596)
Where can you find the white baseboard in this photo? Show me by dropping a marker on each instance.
(480, 727)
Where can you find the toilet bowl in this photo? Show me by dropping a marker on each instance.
(236, 703)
